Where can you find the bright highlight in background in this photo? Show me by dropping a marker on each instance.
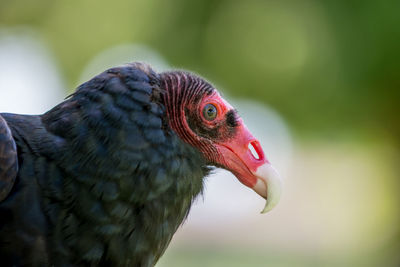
(30, 82)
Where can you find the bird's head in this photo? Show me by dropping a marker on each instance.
(202, 118)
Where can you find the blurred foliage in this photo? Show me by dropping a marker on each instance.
(330, 68)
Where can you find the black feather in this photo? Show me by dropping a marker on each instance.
(100, 179)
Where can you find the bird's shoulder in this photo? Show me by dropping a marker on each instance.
(126, 171)
(115, 126)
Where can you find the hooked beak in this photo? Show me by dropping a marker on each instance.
(268, 185)
(251, 168)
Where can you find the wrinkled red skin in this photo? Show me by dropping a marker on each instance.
(229, 146)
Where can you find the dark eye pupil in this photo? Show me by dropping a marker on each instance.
(210, 112)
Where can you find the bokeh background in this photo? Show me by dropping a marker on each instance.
(317, 81)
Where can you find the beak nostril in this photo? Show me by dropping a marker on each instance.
(254, 151)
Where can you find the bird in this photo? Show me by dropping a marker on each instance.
(106, 177)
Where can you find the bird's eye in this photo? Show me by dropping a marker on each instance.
(210, 112)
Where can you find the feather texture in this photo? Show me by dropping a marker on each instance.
(93, 186)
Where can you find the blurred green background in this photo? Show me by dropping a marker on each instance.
(330, 69)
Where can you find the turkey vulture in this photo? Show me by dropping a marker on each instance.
(106, 177)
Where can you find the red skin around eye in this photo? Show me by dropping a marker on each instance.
(220, 104)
